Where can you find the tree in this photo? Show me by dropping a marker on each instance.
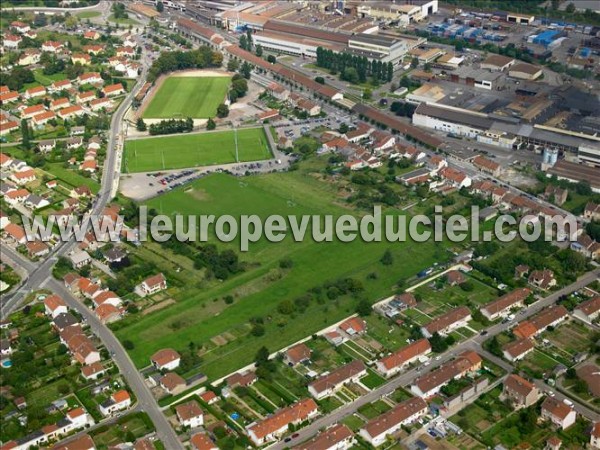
(233, 65)
(364, 308)
(570, 8)
(262, 356)
(258, 330)
(387, 259)
(438, 344)
(210, 124)
(350, 74)
(222, 110)
(128, 344)
(271, 59)
(245, 70)
(160, 7)
(71, 22)
(25, 134)
(320, 80)
(249, 39)
(141, 125)
(494, 347)
(414, 63)
(258, 50)
(243, 42)
(367, 94)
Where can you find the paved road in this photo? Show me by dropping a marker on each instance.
(474, 343)
(135, 380)
(101, 7)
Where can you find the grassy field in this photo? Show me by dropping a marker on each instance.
(192, 150)
(196, 97)
(128, 21)
(88, 14)
(197, 316)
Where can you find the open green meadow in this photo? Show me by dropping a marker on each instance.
(192, 150)
(200, 315)
(195, 97)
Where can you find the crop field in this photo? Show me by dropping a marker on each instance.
(193, 150)
(199, 314)
(195, 97)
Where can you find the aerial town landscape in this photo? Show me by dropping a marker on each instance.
(139, 111)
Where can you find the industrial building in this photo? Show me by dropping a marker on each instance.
(383, 48)
(401, 13)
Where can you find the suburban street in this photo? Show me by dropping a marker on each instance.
(474, 343)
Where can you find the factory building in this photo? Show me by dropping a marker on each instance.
(383, 48)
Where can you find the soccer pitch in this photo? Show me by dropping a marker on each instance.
(195, 97)
(194, 150)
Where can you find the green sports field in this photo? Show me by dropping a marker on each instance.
(195, 97)
(193, 150)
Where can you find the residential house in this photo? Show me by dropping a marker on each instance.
(16, 232)
(244, 379)
(543, 279)
(39, 120)
(11, 41)
(29, 57)
(558, 413)
(278, 91)
(118, 401)
(517, 350)
(209, 397)
(297, 354)
(588, 311)
(93, 371)
(107, 313)
(34, 92)
(353, 326)
(555, 194)
(329, 384)
(587, 246)
(166, 359)
(99, 103)
(83, 442)
(81, 58)
(80, 259)
(395, 362)
(595, 436)
(519, 392)
(274, 426)
(8, 127)
(487, 165)
(113, 89)
(153, 284)
(172, 383)
(71, 111)
(52, 46)
(24, 177)
(407, 412)
(548, 317)
(455, 278)
(430, 384)
(201, 441)
(37, 249)
(502, 306)
(448, 322)
(84, 97)
(592, 211)
(189, 414)
(90, 78)
(336, 437)
(61, 85)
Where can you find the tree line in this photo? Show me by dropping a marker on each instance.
(171, 126)
(354, 68)
(199, 58)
